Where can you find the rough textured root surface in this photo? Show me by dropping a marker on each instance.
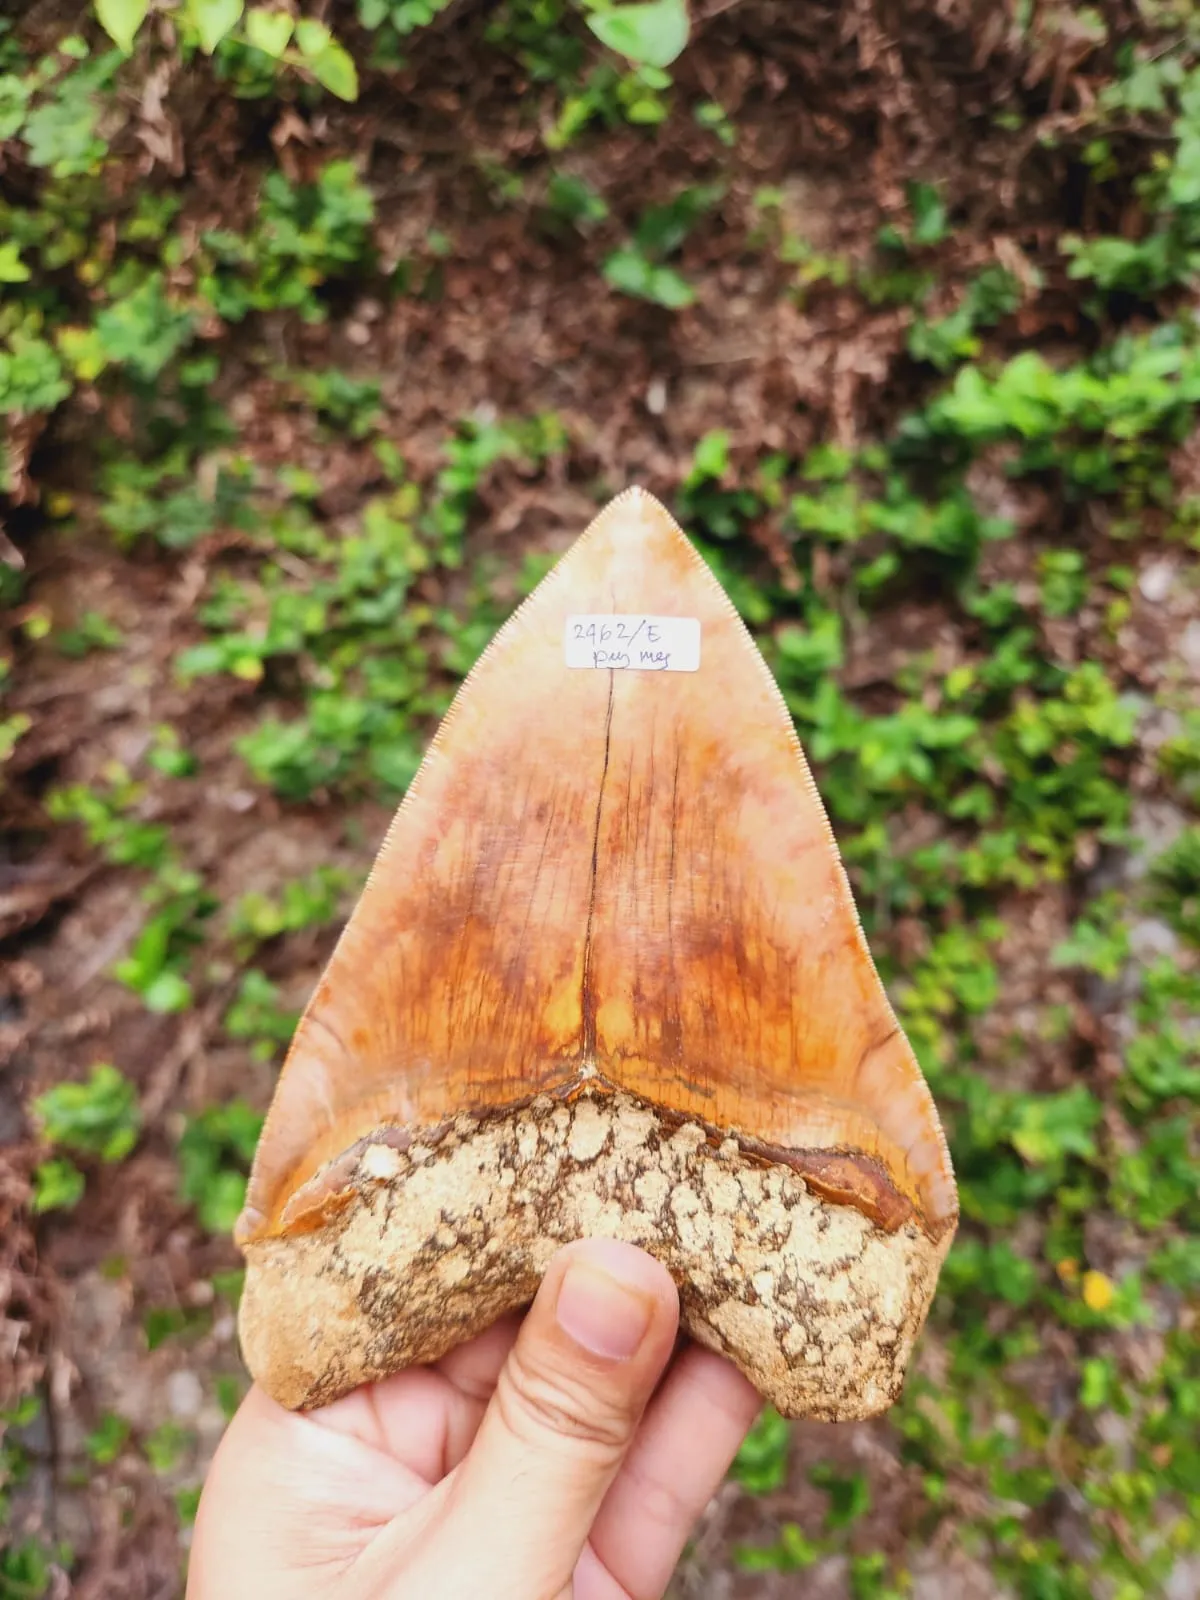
(817, 1305)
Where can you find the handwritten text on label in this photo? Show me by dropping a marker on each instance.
(633, 643)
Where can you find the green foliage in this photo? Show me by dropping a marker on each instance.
(28, 1569)
(930, 224)
(58, 1185)
(993, 1272)
(717, 504)
(141, 331)
(269, 31)
(339, 732)
(12, 730)
(54, 109)
(1090, 422)
(154, 966)
(107, 1440)
(762, 1461)
(257, 1016)
(870, 1578)
(631, 271)
(177, 898)
(1179, 757)
(304, 235)
(165, 1446)
(121, 20)
(93, 631)
(122, 838)
(953, 338)
(167, 755)
(343, 402)
(213, 20)
(329, 62)
(31, 376)
(1156, 1182)
(849, 1495)
(214, 1157)
(364, 715)
(1162, 1059)
(611, 97)
(187, 1504)
(575, 201)
(662, 229)
(1099, 941)
(651, 32)
(639, 268)
(402, 16)
(469, 455)
(1017, 1149)
(541, 34)
(14, 1457)
(305, 43)
(792, 1551)
(1064, 582)
(1177, 884)
(162, 498)
(307, 902)
(538, 33)
(1163, 89)
(165, 1322)
(97, 1118)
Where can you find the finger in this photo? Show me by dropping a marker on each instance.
(427, 1417)
(417, 1418)
(474, 1368)
(690, 1434)
(564, 1414)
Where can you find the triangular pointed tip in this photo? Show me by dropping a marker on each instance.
(637, 502)
(617, 872)
(633, 557)
(634, 518)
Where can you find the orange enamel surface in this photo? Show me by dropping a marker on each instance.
(626, 874)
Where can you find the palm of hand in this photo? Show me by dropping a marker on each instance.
(527, 1465)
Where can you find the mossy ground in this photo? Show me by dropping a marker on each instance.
(895, 307)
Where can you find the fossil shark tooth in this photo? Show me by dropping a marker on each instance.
(606, 977)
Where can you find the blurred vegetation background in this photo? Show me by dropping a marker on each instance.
(324, 328)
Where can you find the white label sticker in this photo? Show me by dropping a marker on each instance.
(633, 643)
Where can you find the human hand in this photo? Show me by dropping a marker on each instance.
(535, 1463)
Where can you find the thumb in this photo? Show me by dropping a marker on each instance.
(564, 1413)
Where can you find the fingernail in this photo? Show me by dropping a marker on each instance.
(601, 1314)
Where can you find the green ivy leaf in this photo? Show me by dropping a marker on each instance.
(269, 31)
(761, 1465)
(100, 1117)
(1184, 182)
(121, 20)
(12, 268)
(711, 459)
(167, 993)
(214, 20)
(334, 69)
(312, 37)
(633, 273)
(652, 35)
(1054, 1126)
(58, 1186)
